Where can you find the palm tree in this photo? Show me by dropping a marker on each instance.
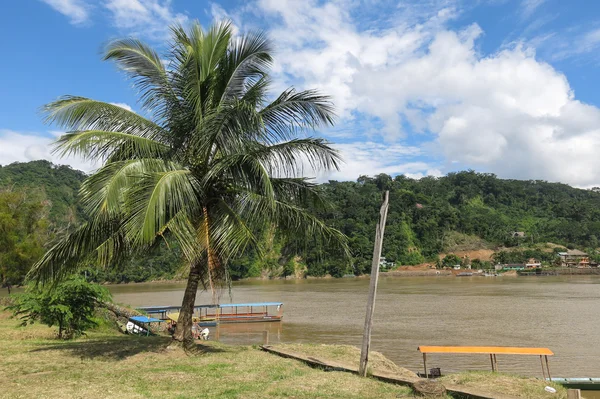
(213, 163)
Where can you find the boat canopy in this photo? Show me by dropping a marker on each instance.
(145, 319)
(237, 305)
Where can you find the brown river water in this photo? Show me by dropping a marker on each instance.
(561, 313)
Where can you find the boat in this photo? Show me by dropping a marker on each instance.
(585, 383)
(464, 274)
(211, 315)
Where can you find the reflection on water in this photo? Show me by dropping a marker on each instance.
(561, 313)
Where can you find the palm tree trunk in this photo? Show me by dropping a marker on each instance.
(183, 331)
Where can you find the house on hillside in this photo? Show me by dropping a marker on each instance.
(384, 264)
(574, 258)
(513, 266)
(517, 234)
(533, 263)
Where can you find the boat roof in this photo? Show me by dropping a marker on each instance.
(235, 305)
(160, 309)
(506, 350)
(145, 319)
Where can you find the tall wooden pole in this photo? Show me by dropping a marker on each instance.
(379, 231)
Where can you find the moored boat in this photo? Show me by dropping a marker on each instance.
(211, 315)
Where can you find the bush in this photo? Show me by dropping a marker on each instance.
(70, 305)
(451, 260)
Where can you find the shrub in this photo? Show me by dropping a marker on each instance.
(69, 305)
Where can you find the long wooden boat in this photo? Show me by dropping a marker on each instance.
(211, 315)
(585, 384)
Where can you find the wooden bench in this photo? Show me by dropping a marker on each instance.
(543, 353)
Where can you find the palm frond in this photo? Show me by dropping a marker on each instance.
(156, 199)
(246, 63)
(79, 113)
(66, 255)
(101, 145)
(143, 65)
(229, 234)
(291, 220)
(105, 190)
(240, 171)
(288, 158)
(293, 111)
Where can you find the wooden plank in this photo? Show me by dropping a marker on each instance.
(379, 232)
(498, 350)
(459, 390)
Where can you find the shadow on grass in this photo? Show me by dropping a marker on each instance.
(121, 347)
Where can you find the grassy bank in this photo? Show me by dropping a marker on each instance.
(106, 364)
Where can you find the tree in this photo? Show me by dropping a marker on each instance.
(23, 232)
(70, 306)
(215, 163)
(451, 260)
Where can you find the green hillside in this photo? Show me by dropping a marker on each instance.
(425, 213)
(59, 184)
(426, 217)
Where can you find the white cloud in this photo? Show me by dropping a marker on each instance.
(123, 105)
(21, 147)
(528, 7)
(144, 17)
(369, 158)
(505, 112)
(76, 10)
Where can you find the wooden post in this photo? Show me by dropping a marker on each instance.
(543, 369)
(265, 337)
(548, 367)
(573, 393)
(379, 232)
(425, 364)
(492, 361)
(495, 362)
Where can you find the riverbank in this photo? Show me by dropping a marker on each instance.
(407, 271)
(106, 364)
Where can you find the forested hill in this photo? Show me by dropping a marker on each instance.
(426, 217)
(58, 184)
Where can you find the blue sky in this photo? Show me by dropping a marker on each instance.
(422, 87)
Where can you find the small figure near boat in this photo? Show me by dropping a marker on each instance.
(199, 332)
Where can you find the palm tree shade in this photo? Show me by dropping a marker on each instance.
(217, 159)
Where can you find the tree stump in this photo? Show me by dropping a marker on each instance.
(429, 388)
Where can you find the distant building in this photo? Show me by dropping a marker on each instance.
(517, 234)
(574, 258)
(532, 264)
(513, 266)
(385, 264)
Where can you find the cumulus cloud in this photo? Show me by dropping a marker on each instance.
(76, 10)
(370, 158)
(505, 112)
(23, 147)
(150, 18)
(124, 106)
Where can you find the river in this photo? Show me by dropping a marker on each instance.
(561, 313)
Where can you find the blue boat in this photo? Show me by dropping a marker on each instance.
(211, 315)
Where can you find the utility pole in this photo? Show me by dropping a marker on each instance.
(379, 231)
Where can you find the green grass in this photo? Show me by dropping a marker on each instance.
(508, 384)
(106, 364)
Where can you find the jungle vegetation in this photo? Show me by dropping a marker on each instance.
(427, 217)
